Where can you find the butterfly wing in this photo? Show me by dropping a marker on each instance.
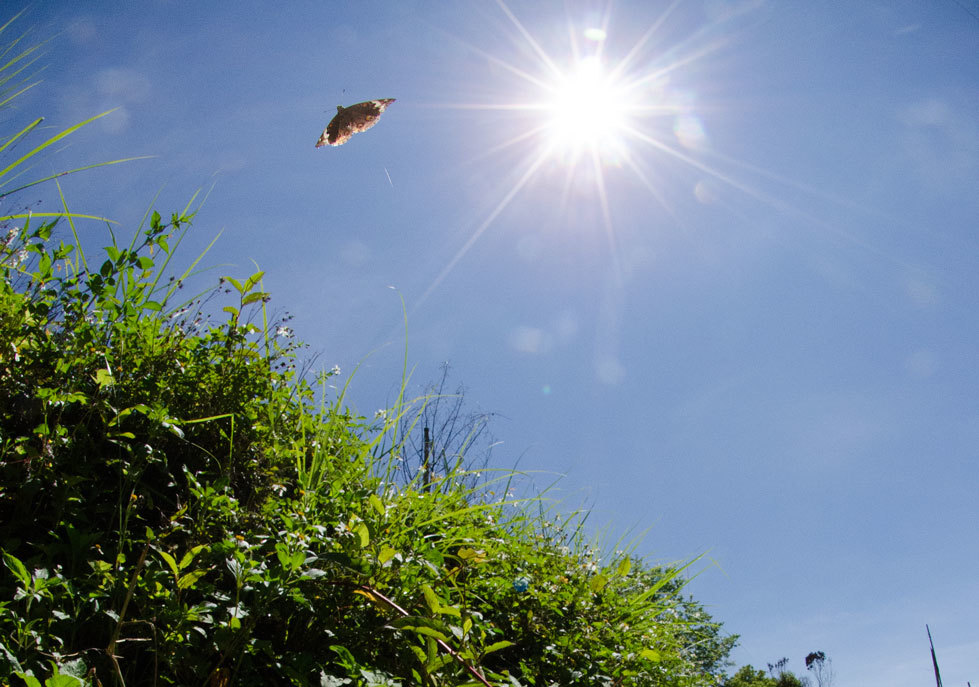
(352, 120)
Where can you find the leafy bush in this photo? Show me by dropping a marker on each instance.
(180, 505)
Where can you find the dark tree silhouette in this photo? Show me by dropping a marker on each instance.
(458, 434)
(821, 668)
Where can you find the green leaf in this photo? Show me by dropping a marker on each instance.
(650, 655)
(357, 565)
(472, 555)
(364, 534)
(29, 679)
(377, 504)
(10, 659)
(437, 664)
(104, 378)
(496, 646)
(427, 632)
(190, 578)
(412, 621)
(386, 554)
(170, 561)
(76, 668)
(597, 583)
(419, 653)
(450, 610)
(252, 280)
(285, 558)
(252, 297)
(190, 555)
(17, 568)
(61, 680)
(431, 598)
(625, 565)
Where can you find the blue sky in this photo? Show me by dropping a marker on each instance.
(737, 307)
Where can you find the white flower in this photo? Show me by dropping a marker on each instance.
(284, 332)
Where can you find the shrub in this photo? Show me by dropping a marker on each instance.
(180, 505)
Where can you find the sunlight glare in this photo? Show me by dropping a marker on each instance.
(588, 110)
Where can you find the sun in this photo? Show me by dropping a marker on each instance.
(587, 110)
(592, 108)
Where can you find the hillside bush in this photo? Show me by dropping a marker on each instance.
(180, 504)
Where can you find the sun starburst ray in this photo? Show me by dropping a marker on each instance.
(707, 169)
(626, 62)
(531, 41)
(590, 113)
(606, 216)
(656, 192)
(500, 207)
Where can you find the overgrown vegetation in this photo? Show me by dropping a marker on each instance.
(179, 505)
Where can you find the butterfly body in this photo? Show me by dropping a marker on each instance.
(352, 120)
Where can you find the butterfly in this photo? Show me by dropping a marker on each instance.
(352, 120)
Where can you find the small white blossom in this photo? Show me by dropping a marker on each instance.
(284, 332)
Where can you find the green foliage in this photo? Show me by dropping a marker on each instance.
(178, 505)
(748, 676)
